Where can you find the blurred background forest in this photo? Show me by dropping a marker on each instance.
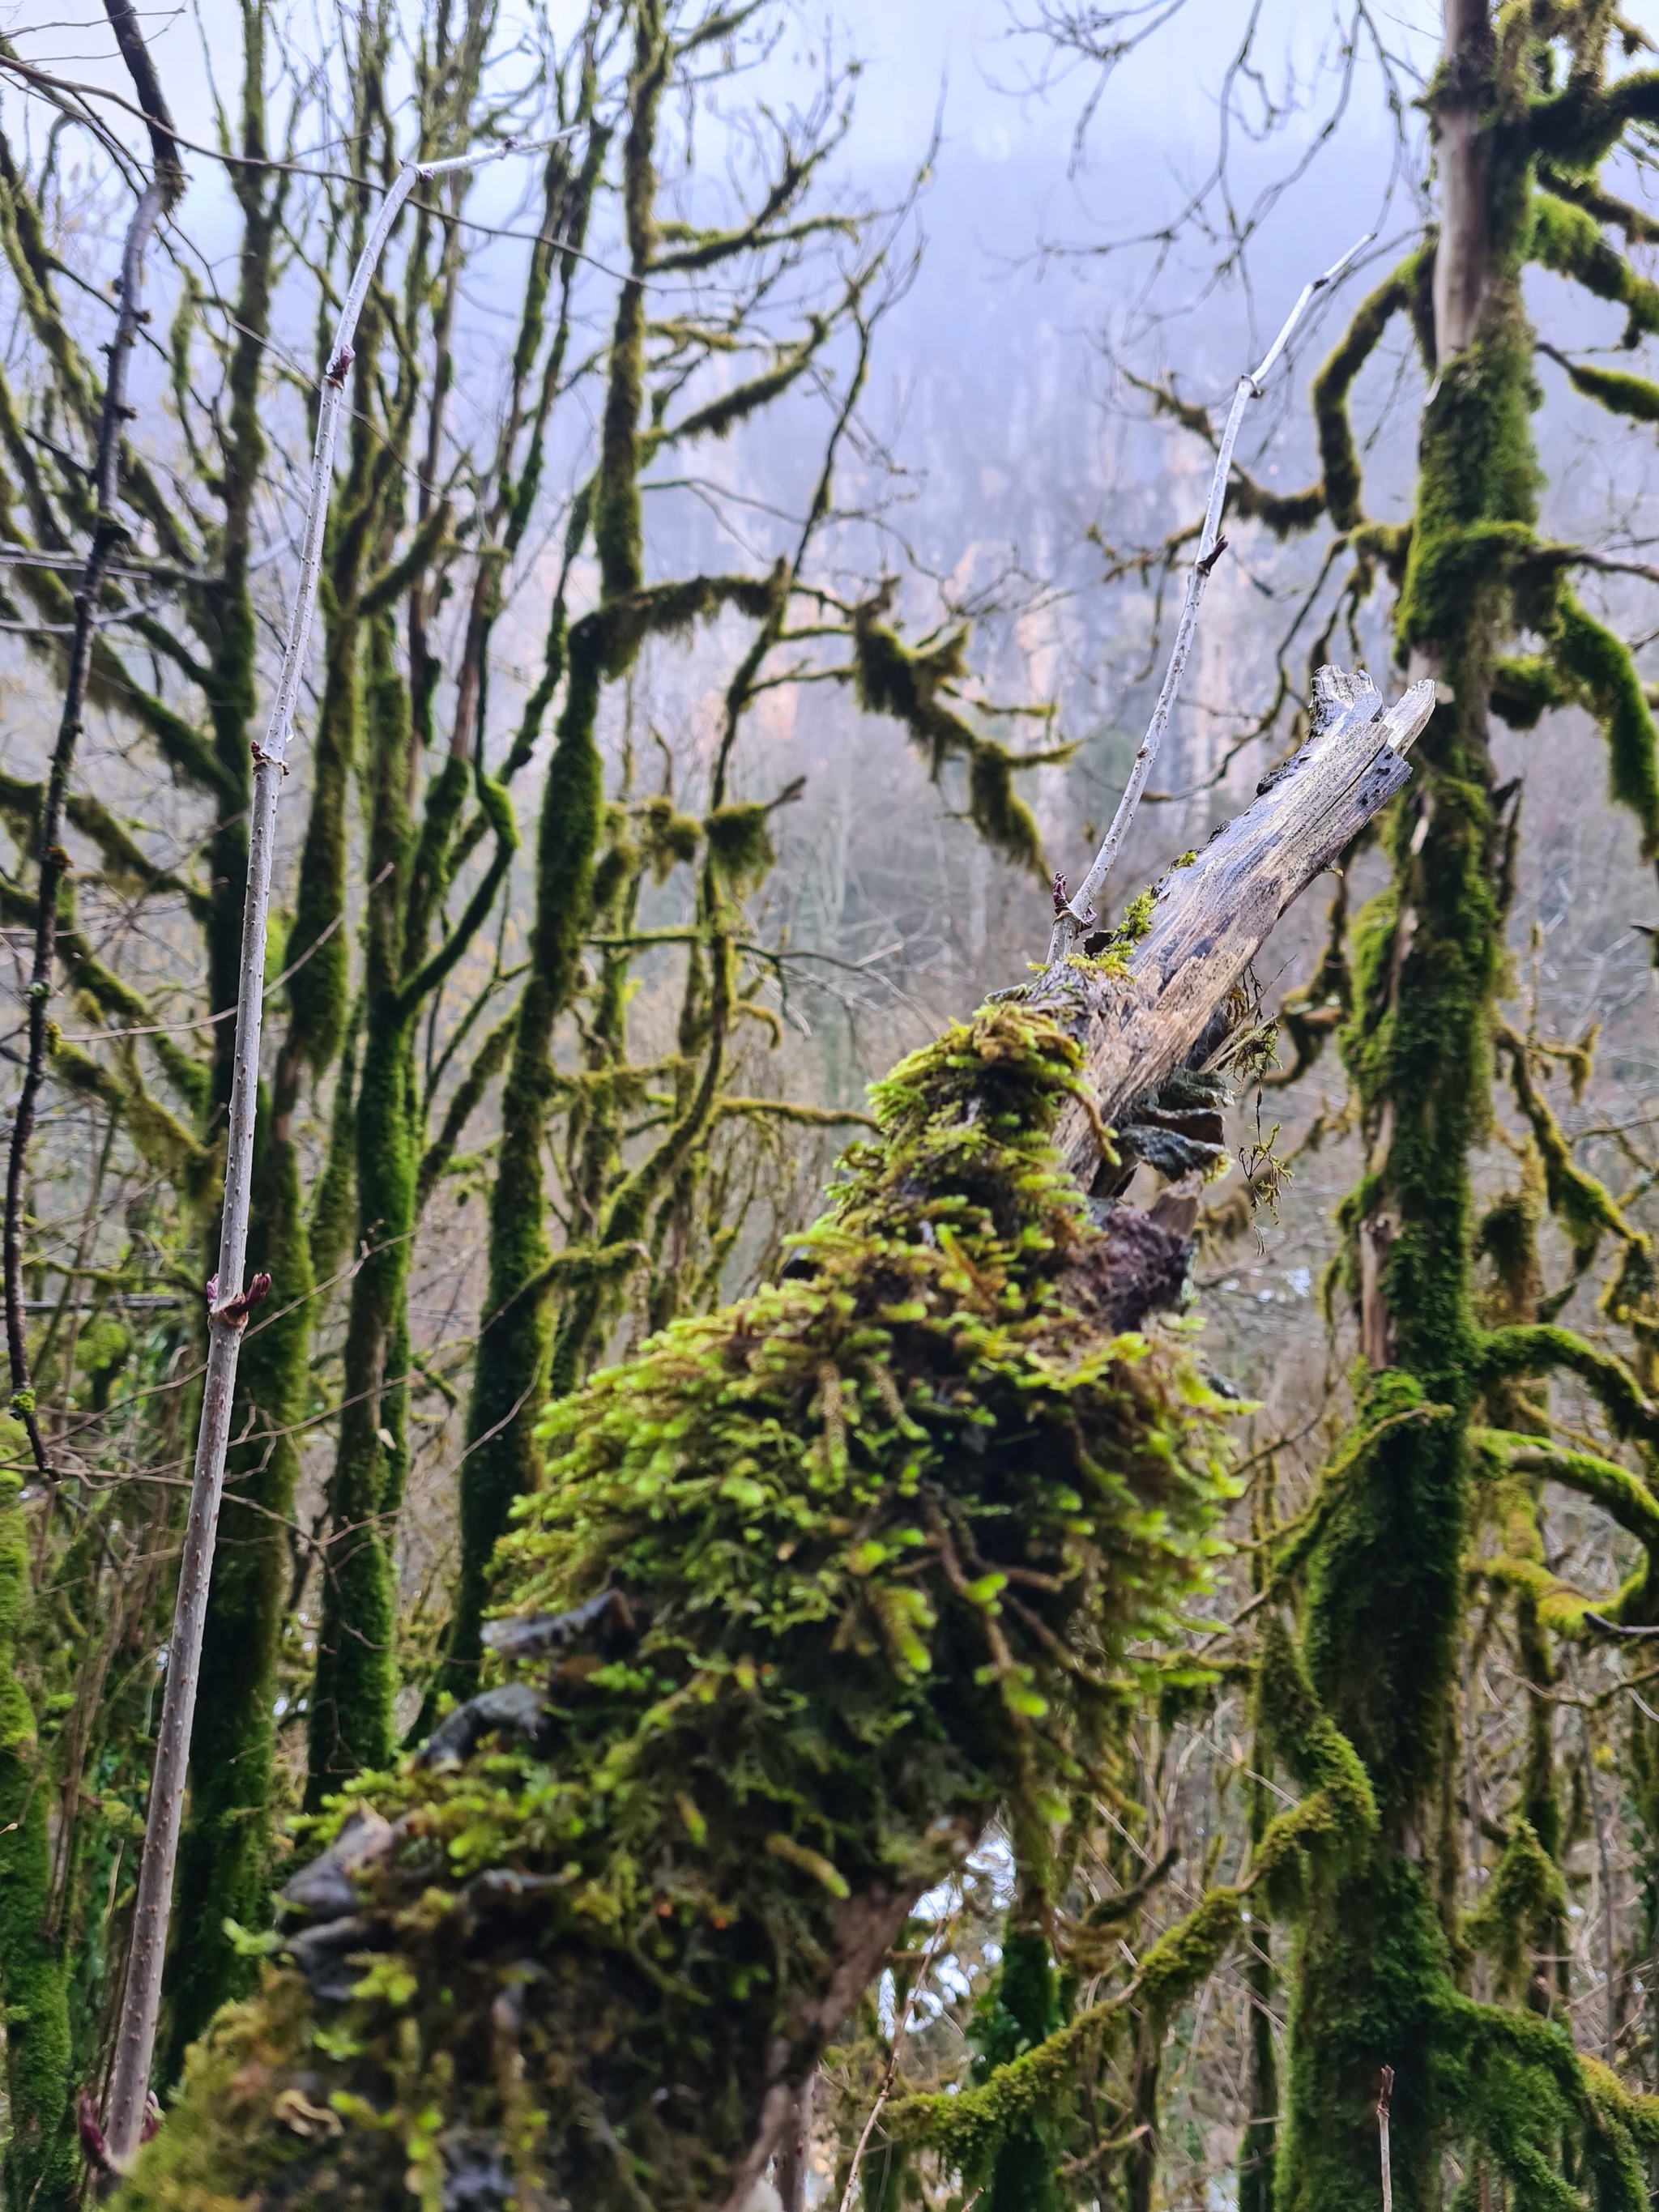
(930, 287)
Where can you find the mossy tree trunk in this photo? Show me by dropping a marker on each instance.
(1383, 1609)
(510, 1377)
(1384, 1594)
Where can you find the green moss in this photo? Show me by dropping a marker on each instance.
(1569, 239)
(1477, 483)
(41, 2162)
(1524, 686)
(1331, 387)
(808, 1501)
(1602, 672)
(350, 1712)
(913, 685)
(329, 1228)
(511, 1370)
(1369, 1971)
(1523, 1904)
(1020, 2011)
(740, 844)
(618, 526)
(1615, 389)
(319, 991)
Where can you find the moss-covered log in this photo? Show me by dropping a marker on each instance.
(809, 1590)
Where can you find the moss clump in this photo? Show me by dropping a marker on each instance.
(914, 685)
(860, 1556)
(1524, 1902)
(1602, 672)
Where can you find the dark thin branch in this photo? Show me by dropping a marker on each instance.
(157, 195)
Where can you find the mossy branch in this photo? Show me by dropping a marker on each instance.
(1537, 1349)
(1568, 240)
(487, 1062)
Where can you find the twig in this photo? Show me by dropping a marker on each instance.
(1072, 917)
(901, 2025)
(1384, 2094)
(158, 194)
(227, 1312)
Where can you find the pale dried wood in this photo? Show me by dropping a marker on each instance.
(1212, 918)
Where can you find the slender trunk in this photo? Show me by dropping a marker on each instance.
(40, 2158)
(226, 1849)
(516, 1338)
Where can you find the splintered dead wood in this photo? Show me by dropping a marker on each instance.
(1212, 917)
(1072, 919)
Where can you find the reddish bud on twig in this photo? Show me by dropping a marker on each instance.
(1213, 556)
(238, 1308)
(339, 366)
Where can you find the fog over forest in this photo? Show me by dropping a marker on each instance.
(711, 1494)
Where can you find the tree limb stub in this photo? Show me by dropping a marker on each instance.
(1212, 917)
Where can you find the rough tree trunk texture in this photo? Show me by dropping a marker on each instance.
(813, 1589)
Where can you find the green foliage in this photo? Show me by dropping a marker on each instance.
(882, 1530)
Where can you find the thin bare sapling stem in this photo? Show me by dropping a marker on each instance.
(228, 1302)
(157, 195)
(901, 2027)
(1384, 2093)
(1073, 916)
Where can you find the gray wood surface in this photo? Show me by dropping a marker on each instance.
(1213, 916)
